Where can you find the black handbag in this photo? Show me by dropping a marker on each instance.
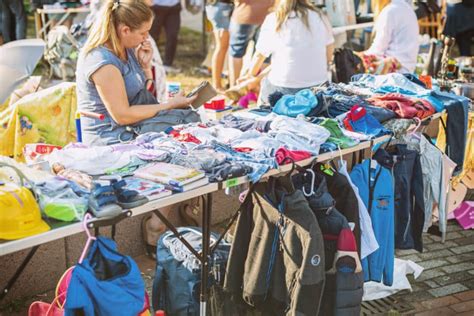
(345, 65)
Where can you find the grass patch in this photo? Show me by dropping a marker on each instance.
(189, 56)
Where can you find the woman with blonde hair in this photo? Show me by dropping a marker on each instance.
(113, 73)
(299, 39)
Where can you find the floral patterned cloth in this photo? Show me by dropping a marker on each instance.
(46, 116)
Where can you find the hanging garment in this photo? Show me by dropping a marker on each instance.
(105, 283)
(344, 282)
(431, 160)
(455, 128)
(344, 277)
(440, 211)
(330, 220)
(346, 200)
(376, 190)
(409, 205)
(276, 262)
(368, 242)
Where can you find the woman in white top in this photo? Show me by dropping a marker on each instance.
(396, 34)
(300, 42)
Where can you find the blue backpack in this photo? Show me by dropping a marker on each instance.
(176, 286)
(105, 283)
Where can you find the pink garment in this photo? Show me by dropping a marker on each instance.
(246, 99)
(465, 214)
(296, 155)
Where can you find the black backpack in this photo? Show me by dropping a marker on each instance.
(345, 65)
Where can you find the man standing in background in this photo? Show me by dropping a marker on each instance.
(248, 15)
(167, 16)
(13, 14)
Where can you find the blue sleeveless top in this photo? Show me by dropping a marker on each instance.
(95, 131)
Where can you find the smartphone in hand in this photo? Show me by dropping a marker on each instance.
(204, 91)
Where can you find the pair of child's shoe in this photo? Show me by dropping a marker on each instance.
(109, 197)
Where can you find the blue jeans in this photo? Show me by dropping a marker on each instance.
(13, 20)
(219, 15)
(409, 206)
(240, 36)
(457, 108)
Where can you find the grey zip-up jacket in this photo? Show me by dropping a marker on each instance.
(284, 275)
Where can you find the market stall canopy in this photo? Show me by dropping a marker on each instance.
(18, 60)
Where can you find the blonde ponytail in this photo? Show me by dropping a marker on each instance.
(284, 8)
(132, 13)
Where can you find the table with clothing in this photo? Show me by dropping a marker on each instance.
(345, 225)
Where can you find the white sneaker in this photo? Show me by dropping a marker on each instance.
(171, 69)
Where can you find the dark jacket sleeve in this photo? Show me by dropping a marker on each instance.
(309, 286)
(238, 252)
(418, 205)
(346, 201)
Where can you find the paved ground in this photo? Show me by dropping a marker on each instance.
(446, 286)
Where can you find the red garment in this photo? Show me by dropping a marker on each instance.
(296, 155)
(403, 106)
(243, 149)
(184, 137)
(346, 241)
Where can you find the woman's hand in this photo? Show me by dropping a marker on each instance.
(145, 55)
(250, 82)
(179, 101)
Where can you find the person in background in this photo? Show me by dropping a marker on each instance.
(218, 12)
(247, 16)
(460, 24)
(295, 33)
(167, 16)
(13, 13)
(395, 45)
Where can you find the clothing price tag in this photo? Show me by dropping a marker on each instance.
(373, 164)
(231, 183)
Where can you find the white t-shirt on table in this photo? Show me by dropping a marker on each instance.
(298, 53)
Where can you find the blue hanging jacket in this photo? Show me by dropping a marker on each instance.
(105, 283)
(377, 192)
